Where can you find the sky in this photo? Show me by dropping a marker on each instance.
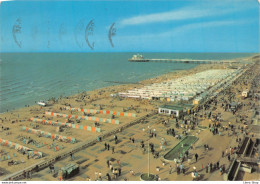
(130, 26)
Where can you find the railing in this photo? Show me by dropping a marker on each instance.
(233, 170)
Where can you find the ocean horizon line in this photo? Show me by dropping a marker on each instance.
(131, 52)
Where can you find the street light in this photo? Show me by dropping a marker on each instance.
(148, 152)
(149, 128)
(148, 155)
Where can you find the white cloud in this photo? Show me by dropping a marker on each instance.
(164, 17)
(188, 27)
(189, 12)
(193, 26)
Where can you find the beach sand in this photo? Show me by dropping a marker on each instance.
(132, 156)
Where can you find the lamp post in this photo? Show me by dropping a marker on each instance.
(148, 159)
(148, 154)
(148, 176)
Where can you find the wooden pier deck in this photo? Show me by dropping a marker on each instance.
(195, 61)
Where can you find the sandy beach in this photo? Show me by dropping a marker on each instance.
(129, 154)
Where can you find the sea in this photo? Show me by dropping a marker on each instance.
(26, 78)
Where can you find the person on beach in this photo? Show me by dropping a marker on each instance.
(220, 171)
(71, 156)
(24, 174)
(181, 167)
(96, 175)
(226, 151)
(119, 171)
(115, 138)
(196, 157)
(100, 176)
(113, 150)
(29, 175)
(118, 163)
(108, 177)
(217, 164)
(194, 168)
(170, 169)
(111, 167)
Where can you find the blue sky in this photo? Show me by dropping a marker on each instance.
(141, 26)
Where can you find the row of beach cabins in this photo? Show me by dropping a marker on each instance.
(184, 88)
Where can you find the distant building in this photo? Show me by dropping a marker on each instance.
(171, 110)
(177, 110)
(138, 58)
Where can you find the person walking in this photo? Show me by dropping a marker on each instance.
(119, 171)
(71, 156)
(108, 146)
(113, 150)
(194, 168)
(115, 138)
(108, 177)
(221, 171)
(108, 163)
(100, 176)
(30, 175)
(178, 170)
(196, 156)
(181, 167)
(111, 167)
(118, 163)
(183, 171)
(96, 176)
(170, 169)
(228, 157)
(226, 151)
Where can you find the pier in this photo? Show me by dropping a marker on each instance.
(195, 61)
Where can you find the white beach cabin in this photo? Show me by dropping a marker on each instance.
(171, 110)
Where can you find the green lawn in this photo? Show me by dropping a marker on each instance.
(174, 152)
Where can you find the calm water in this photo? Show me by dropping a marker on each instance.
(29, 77)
